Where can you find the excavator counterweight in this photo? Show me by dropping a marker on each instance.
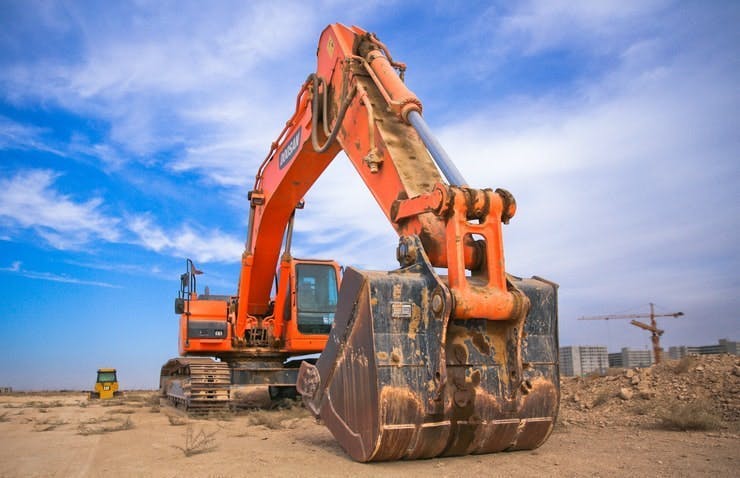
(446, 355)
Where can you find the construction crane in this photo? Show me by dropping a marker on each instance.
(652, 327)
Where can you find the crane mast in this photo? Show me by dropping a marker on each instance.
(652, 327)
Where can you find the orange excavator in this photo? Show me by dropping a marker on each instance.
(446, 355)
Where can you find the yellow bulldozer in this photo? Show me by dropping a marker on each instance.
(106, 386)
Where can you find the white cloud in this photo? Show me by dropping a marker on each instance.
(50, 276)
(538, 25)
(342, 221)
(202, 246)
(28, 200)
(625, 174)
(14, 135)
(156, 80)
(626, 182)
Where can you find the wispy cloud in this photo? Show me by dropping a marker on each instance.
(16, 268)
(14, 135)
(626, 182)
(622, 156)
(154, 80)
(538, 25)
(29, 200)
(201, 245)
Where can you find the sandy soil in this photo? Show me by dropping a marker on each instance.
(66, 435)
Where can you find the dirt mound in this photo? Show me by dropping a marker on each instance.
(696, 392)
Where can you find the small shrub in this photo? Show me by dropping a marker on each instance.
(265, 418)
(690, 416)
(48, 424)
(104, 419)
(177, 420)
(43, 405)
(4, 417)
(274, 419)
(198, 442)
(127, 424)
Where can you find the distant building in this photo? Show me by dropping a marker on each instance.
(6, 389)
(678, 352)
(631, 358)
(577, 360)
(728, 346)
(615, 360)
(723, 346)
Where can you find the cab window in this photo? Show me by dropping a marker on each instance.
(316, 297)
(106, 377)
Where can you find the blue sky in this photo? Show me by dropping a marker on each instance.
(130, 133)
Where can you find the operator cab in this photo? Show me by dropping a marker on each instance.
(316, 297)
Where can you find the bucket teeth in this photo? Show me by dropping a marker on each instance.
(400, 379)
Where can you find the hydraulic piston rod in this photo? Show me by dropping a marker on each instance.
(438, 153)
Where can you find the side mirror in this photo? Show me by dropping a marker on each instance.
(179, 306)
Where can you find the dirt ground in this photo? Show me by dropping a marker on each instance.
(599, 433)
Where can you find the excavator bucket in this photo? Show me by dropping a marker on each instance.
(401, 379)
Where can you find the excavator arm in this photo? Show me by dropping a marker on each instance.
(417, 364)
(357, 103)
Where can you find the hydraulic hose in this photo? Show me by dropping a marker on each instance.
(315, 114)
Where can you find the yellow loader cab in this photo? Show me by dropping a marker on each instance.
(106, 385)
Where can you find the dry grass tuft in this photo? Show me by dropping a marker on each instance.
(198, 442)
(177, 419)
(108, 425)
(277, 419)
(689, 416)
(4, 417)
(42, 405)
(48, 424)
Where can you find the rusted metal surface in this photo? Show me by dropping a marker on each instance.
(250, 396)
(400, 379)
